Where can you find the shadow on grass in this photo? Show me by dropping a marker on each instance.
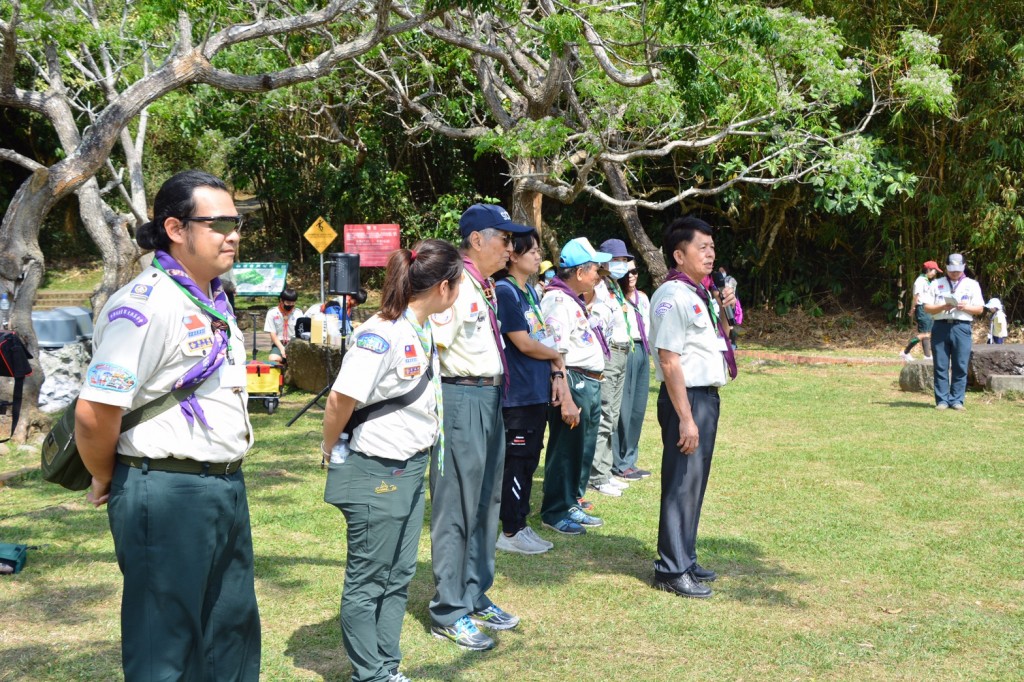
(87, 661)
(746, 575)
(904, 403)
(64, 604)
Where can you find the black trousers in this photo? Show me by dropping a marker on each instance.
(684, 478)
(524, 438)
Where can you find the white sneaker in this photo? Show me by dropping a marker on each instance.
(905, 357)
(520, 543)
(538, 540)
(607, 489)
(618, 483)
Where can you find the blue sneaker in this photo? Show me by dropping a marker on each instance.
(495, 618)
(566, 526)
(583, 518)
(464, 634)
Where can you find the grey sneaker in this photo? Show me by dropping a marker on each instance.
(538, 540)
(942, 406)
(957, 406)
(584, 519)
(495, 618)
(397, 677)
(520, 543)
(607, 489)
(464, 634)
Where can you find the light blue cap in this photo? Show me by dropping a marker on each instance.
(579, 251)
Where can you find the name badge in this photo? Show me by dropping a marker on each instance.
(723, 345)
(232, 376)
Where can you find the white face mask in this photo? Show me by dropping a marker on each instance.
(618, 269)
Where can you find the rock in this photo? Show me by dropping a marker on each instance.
(311, 366)
(64, 369)
(1001, 383)
(917, 376)
(995, 359)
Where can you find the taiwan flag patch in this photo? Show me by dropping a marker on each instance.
(410, 351)
(696, 309)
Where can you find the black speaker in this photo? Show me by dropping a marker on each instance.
(344, 276)
(303, 325)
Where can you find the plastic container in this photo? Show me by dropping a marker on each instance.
(54, 328)
(83, 318)
(339, 453)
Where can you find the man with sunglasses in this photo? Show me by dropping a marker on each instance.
(173, 484)
(280, 323)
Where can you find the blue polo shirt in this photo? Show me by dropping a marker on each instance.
(529, 379)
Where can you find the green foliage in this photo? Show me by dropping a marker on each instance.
(529, 139)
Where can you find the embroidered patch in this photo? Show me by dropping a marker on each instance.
(442, 318)
(374, 343)
(474, 307)
(192, 322)
(587, 338)
(108, 377)
(199, 346)
(414, 371)
(142, 291)
(397, 472)
(662, 308)
(696, 308)
(126, 313)
(410, 351)
(385, 487)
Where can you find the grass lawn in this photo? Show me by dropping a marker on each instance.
(859, 535)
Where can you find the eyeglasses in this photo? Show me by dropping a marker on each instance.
(221, 224)
(506, 237)
(632, 272)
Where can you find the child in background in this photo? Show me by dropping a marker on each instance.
(998, 329)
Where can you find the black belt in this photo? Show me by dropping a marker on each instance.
(619, 346)
(712, 390)
(954, 321)
(182, 466)
(472, 381)
(587, 373)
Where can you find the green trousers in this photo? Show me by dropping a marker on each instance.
(570, 450)
(382, 500)
(184, 545)
(465, 501)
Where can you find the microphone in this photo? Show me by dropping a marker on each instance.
(719, 280)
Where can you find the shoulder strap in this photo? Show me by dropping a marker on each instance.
(157, 405)
(368, 412)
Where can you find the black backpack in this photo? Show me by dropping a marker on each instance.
(14, 357)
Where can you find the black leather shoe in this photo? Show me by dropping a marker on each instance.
(704, 575)
(684, 585)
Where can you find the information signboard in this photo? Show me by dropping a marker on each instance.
(259, 279)
(373, 243)
(320, 234)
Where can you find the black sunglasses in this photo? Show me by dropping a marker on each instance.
(221, 224)
(631, 272)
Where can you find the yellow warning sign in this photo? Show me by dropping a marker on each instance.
(320, 234)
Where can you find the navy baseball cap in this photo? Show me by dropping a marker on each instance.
(488, 216)
(616, 247)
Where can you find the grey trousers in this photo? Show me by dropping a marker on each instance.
(684, 478)
(635, 387)
(465, 501)
(611, 403)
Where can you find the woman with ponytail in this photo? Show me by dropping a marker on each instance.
(387, 398)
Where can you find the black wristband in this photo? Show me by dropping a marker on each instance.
(558, 375)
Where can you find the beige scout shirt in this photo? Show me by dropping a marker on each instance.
(148, 335)
(966, 290)
(386, 360)
(640, 309)
(464, 337)
(574, 337)
(682, 324)
(612, 314)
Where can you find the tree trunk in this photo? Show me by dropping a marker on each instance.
(109, 232)
(642, 243)
(21, 272)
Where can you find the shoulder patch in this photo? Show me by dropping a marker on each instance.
(125, 313)
(142, 291)
(375, 343)
(662, 308)
(109, 377)
(443, 317)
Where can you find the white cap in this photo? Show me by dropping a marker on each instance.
(994, 304)
(955, 263)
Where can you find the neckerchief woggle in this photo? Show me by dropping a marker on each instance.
(425, 334)
(560, 285)
(219, 312)
(730, 355)
(486, 285)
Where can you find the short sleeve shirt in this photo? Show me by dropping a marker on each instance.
(612, 314)
(464, 335)
(148, 335)
(575, 339)
(966, 290)
(386, 360)
(921, 289)
(640, 309)
(529, 378)
(682, 324)
(275, 322)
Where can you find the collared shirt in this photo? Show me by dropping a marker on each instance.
(463, 335)
(640, 309)
(385, 360)
(964, 290)
(921, 285)
(148, 335)
(611, 313)
(681, 323)
(275, 322)
(575, 339)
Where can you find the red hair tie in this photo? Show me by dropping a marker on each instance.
(414, 254)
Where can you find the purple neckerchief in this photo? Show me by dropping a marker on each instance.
(487, 284)
(190, 406)
(730, 356)
(640, 321)
(557, 283)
